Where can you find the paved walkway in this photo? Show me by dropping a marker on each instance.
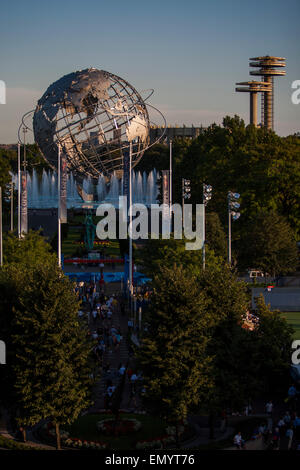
(114, 356)
(31, 440)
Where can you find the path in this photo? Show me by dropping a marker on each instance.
(114, 357)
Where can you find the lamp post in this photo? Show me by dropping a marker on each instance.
(24, 195)
(207, 195)
(233, 205)
(130, 226)
(19, 190)
(186, 194)
(58, 219)
(11, 206)
(1, 240)
(170, 185)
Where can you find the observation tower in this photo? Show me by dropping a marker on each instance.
(268, 67)
(253, 87)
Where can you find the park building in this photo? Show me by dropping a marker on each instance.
(172, 132)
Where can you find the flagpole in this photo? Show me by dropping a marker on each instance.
(170, 184)
(19, 190)
(130, 222)
(1, 239)
(58, 208)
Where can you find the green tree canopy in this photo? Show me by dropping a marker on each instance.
(273, 340)
(269, 244)
(157, 253)
(29, 250)
(263, 167)
(47, 372)
(215, 235)
(173, 355)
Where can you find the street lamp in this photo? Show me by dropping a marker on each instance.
(130, 226)
(186, 194)
(170, 185)
(58, 218)
(1, 240)
(24, 196)
(11, 187)
(233, 214)
(19, 190)
(207, 195)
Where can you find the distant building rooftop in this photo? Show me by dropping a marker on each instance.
(175, 131)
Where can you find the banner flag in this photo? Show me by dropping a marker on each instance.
(126, 177)
(24, 211)
(63, 189)
(166, 220)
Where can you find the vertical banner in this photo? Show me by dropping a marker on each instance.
(166, 202)
(126, 177)
(24, 213)
(126, 165)
(63, 189)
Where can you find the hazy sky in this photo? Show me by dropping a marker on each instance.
(190, 52)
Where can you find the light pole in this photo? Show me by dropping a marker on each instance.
(170, 185)
(12, 206)
(233, 205)
(24, 195)
(207, 194)
(58, 208)
(19, 190)
(130, 226)
(1, 240)
(186, 194)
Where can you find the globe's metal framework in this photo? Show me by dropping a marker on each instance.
(93, 115)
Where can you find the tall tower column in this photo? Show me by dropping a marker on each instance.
(269, 67)
(268, 103)
(253, 88)
(253, 108)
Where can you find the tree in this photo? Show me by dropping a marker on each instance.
(156, 253)
(173, 355)
(29, 250)
(274, 339)
(215, 235)
(233, 370)
(5, 177)
(234, 358)
(255, 162)
(269, 245)
(47, 375)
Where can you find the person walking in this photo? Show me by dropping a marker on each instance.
(238, 441)
(269, 408)
(289, 435)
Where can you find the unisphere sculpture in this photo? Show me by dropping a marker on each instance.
(92, 115)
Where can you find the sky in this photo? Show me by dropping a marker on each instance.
(191, 53)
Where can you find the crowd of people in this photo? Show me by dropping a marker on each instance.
(103, 314)
(285, 431)
(281, 433)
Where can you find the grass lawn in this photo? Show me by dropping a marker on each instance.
(85, 429)
(293, 319)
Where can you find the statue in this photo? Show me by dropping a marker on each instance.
(90, 230)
